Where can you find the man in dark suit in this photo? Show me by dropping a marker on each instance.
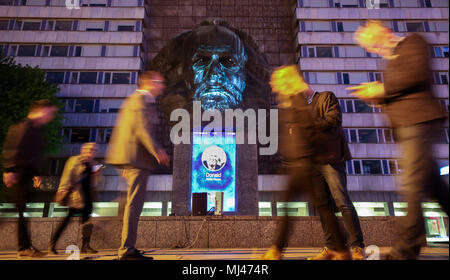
(134, 149)
(297, 150)
(22, 157)
(415, 115)
(331, 154)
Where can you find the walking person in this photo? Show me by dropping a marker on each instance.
(22, 158)
(416, 116)
(331, 154)
(297, 150)
(76, 191)
(134, 149)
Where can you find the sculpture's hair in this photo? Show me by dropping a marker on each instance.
(175, 59)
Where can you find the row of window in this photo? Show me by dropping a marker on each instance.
(363, 3)
(69, 51)
(91, 105)
(83, 3)
(356, 51)
(71, 25)
(86, 134)
(58, 77)
(384, 135)
(379, 166)
(340, 78)
(353, 25)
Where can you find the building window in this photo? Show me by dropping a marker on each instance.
(88, 77)
(414, 27)
(78, 50)
(59, 50)
(441, 51)
(437, 3)
(4, 24)
(80, 135)
(372, 167)
(292, 209)
(265, 208)
(362, 107)
(55, 77)
(103, 135)
(152, 209)
(367, 136)
(63, 25)
(324, 52)
(35, 25)
(370, 209)
(125, 28)
(121, 78)
(27, 50)
(84, 106)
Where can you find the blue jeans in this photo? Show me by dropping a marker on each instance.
(333, 178)
(420, 179)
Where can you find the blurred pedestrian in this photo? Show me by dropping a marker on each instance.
(133, 148)
(416, 116)
(76, 190)
(331, 154)
(22, 155)
(297, 135)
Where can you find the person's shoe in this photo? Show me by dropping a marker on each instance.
(88, 250)
(326, 254)
(135, 256)
(342, 256)
(272, 254)
(30, 252)
(51, 250)
(358, 253)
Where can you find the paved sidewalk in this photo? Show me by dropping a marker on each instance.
(438, 252)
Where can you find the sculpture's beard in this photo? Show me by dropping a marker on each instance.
(220, 96)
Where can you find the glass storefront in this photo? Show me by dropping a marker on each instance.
(435, 225)
(265, 208)
(292, 208)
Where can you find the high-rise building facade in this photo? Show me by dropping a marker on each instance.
(96, 52)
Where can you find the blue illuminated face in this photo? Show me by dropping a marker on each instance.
(219, 76)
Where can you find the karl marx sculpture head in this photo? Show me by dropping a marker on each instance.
(215, 64)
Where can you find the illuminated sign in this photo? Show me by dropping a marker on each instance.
(444, 170)
(214, 167)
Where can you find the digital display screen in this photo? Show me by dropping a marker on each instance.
(214, 167)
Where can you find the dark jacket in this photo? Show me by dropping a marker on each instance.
(330, 142)
(24, 148)
(296, 132)
(407, 83)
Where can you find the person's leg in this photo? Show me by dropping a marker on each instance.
(336, 180)
(137, 183)
(21, 194)
(417, 164)
(329, 221)
(60, 229)
(86, 230)
(299, 182)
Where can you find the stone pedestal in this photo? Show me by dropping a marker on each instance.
(181, 183)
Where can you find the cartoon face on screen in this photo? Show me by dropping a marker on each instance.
(214, 158)
(218, 65)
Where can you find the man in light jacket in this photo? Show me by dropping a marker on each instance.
(134, 149)
(76, 185)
